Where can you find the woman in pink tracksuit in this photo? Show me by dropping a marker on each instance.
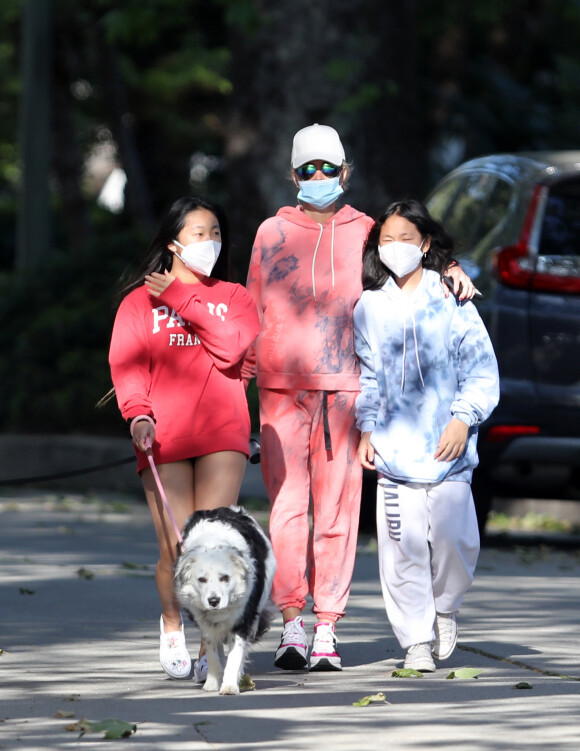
(305, 276)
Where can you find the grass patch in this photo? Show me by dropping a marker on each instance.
(530, 522)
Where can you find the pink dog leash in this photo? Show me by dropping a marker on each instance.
(149, 452)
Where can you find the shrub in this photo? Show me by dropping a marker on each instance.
(55, 338)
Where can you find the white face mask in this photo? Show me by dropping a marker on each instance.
(401, 258)
(200, 257)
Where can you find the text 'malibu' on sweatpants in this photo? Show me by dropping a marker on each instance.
(296, 465)
(428, 547)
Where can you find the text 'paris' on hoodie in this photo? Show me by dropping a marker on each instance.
(424, 359)
(306, 278)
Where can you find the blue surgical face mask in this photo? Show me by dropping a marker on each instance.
(320, 193)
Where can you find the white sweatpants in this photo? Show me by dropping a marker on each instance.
(428, 546)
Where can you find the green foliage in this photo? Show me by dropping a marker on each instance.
(500, 76)
(9, 167)
(57, 321)
(245, 15)
(186, 69)
(530, 522)
(154, 81)
(364, 97)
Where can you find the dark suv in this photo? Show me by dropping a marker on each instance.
(515, 219)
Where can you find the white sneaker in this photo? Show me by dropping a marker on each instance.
(291, 654)
(419, 658)
(200, 669)
(445, 635)
(324, 654)
(173, 654)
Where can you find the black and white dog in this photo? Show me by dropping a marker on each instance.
(223, 579)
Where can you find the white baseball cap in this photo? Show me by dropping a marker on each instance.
(317, 142)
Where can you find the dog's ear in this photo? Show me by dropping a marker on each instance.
(241, 565)
(183, 568)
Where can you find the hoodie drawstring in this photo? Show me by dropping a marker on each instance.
(314, 259)
(331, 257)
(405, 352)
(332, 254)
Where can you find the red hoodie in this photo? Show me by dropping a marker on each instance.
(306, 278)
(177, 358)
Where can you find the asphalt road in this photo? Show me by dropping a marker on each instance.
(78, 638)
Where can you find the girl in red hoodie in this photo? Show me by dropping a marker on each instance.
(179, 337)
(305, 276)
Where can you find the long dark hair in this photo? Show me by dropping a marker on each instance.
(375, 273)
(158, 256)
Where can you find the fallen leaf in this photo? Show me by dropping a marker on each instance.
(463, 673)
(85, 573)
(523, 684)
(114, 728)
(64, 714)
(111, 728)
(73, 697)
(76, 726)
(246, 683)
(407, 673)
(135, 566)
(366, 700)
(24, 591)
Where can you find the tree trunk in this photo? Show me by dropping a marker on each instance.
(34, 225)
(68, 161)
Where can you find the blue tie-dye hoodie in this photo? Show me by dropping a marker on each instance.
(424, 359)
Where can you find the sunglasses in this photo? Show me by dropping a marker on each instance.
(308, 170)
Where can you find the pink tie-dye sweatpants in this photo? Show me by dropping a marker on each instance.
(297, 466)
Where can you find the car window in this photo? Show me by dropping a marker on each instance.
(560, 235)
(495, 209)
(442, 198)
(478, 207)
(461, 212)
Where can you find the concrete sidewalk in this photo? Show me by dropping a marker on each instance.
(78, 626)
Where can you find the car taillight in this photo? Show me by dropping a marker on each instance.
(556, 274)
(515, 267)
(501, 433)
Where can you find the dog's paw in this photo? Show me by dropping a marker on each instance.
(229, 690)
(211, 684)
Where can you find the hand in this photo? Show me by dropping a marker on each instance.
(157, 283)
(459, 278)
(141, 431)
(366, 451)
(452, 441)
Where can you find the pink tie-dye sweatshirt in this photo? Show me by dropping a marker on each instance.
(306, 278)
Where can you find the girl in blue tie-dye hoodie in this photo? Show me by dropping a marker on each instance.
(429, 377)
